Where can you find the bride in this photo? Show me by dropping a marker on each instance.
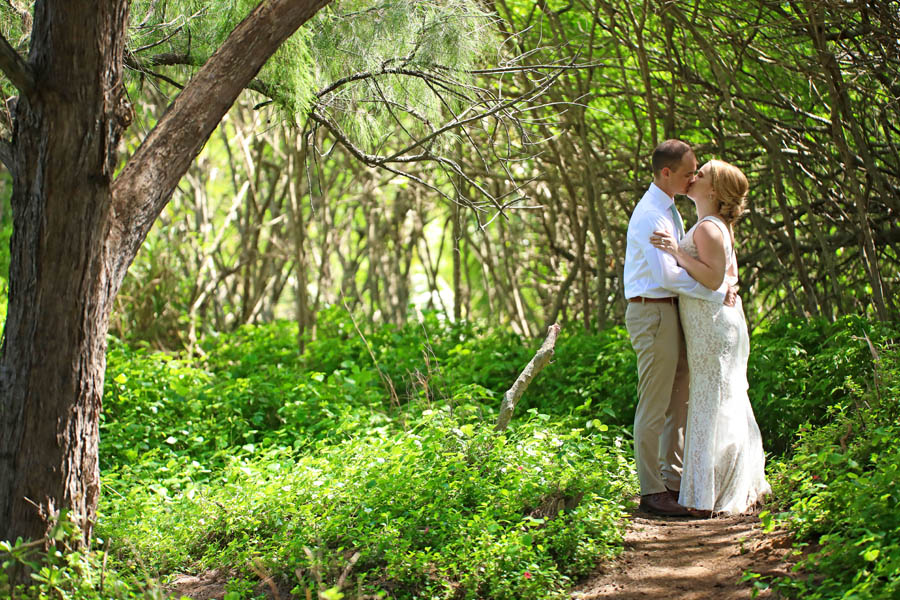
(723, 454)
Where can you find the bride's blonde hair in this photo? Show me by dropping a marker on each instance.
(731, 187)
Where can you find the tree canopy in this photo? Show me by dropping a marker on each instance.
(796, 94)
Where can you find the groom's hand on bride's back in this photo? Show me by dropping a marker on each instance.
(731, 296)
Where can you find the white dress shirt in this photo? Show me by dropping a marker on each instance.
(650, 272)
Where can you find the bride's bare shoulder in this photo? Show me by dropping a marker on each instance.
(707, 231)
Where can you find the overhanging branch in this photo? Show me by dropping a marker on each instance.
(146, 183)
(482, 105)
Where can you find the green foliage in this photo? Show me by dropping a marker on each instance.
(358, 36)
(253, 455)
(344, 39)
(251, 388)
(447, 509)
(28, 571)
(838, 492)
(154, 305)
(800, 369)
(194, 29)
(594, 378)
(5, 234)
(253, 459)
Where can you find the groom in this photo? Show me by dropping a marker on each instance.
(653, 281)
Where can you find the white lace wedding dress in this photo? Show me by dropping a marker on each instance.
(723, 455)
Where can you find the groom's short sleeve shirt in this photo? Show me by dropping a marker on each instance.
(650, 272)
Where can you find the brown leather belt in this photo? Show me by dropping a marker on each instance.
(642, 299)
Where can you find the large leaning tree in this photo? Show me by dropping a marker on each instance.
(77, 225)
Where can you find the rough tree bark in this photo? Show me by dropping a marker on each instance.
(76, 231)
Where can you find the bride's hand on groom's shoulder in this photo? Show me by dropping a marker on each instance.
(665, 241)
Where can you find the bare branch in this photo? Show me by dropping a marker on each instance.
(524, 97)
(133, 61)
(513, 394)
(6, 154)
(15, 68)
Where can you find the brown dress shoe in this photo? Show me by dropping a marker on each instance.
(673, 494)
(662, 504)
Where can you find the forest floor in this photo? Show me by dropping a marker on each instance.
(674, 558)
(689, 559)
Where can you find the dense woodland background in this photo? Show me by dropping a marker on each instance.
(355, 173)
(361, 259)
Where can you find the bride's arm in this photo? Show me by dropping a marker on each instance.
(709, 266)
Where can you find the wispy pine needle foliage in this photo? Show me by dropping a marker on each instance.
(376, 45)
(189, 31)
(404, 36)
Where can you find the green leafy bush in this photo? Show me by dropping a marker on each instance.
(253, 455)
(29, 572)
(800, 368)
(252, 458)
(251, 389)
(449, 509)
(594, 377)
(838, 492)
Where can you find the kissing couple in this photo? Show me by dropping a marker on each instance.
(697, 446)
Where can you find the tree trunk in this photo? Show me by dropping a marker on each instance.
(457, 264)
(61, 289)
(75, 232)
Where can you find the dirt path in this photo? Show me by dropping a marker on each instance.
(683, 559)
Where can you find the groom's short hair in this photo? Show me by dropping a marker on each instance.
(669, 154)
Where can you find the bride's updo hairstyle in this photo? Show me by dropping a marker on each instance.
(731, 187)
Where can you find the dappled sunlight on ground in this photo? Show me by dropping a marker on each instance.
(689, 559)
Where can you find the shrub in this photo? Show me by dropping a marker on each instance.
(838, 493)
(29, 572)
(800, 368)
(449, 509)
(252, 389)
(594, 376)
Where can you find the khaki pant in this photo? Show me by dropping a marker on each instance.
(663, 380)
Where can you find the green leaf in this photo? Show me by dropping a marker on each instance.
(871, 554)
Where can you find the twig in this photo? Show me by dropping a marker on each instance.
(875, 362)
(314, 565)
(103, 566)
(257, 567)
(27, 546)
(343, 578)
(388, 384)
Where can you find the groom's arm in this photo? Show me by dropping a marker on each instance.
(665, 269)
